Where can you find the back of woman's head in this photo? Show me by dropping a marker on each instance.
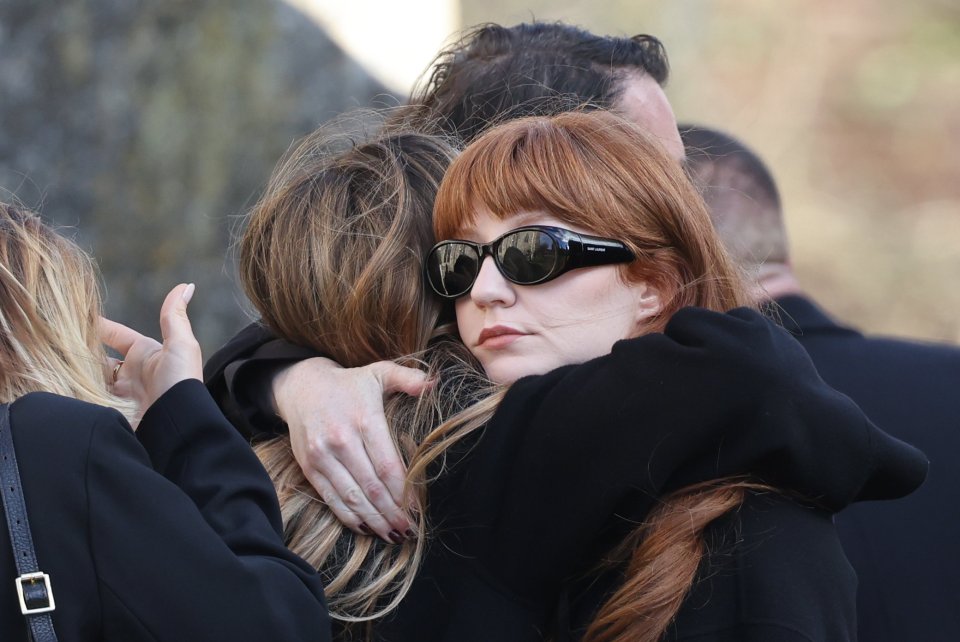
(599, 172)
(49, 313)
(332, 253)
(332, 258)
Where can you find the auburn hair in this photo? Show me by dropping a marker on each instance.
(601, 173)
(331, 257)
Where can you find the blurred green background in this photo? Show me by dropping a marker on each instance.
(152, 126)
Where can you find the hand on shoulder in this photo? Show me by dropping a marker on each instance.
(340, 438)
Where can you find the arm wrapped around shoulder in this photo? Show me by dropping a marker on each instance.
(714, 395)
(777, 418)
(239, 375)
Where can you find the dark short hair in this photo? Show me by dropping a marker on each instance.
(740, 193)
(497, 73)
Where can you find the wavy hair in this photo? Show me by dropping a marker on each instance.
(601, 173)
(350, 224)
(50, 309)
(332, 258)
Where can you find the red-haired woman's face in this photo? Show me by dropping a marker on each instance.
(518, 330)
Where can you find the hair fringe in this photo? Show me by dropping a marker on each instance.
(315, 206)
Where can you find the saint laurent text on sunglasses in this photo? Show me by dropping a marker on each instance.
(526, 256)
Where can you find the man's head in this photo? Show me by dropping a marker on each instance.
(741, 195)
(499, 73)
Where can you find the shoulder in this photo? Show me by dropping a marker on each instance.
(240, 346)
(775, 568)
(56, 419)
(822, 335)
(54, 404)
(909, 388)
(696, 345)
(921, 353)
(926, 353)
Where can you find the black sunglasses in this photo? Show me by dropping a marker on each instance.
(526, 256)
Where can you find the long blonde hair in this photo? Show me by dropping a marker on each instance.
(50, 309)
(600, 172)
(332, 258)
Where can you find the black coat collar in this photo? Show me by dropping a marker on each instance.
(801, 316)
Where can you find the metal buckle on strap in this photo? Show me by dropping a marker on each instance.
(38, 592)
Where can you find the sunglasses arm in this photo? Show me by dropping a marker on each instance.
(590, 251)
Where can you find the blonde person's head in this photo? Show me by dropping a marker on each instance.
(332, 253)
(332, 258)
(49, 314)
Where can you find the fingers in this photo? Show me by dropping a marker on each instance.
(118, 336)
(348, 501)
(387, 465)
(116, 384)
(340, 437)
(335, 455)
(174, 322)
(182, 358)
(396, 378)
(380, 470)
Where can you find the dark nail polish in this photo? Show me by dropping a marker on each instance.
(366, 529)
(395, 537)
(409, 533)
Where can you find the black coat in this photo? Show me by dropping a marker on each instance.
(238, 377)
(573, 459)
(172, 534)
(906, 553)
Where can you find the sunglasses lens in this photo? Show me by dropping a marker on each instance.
(527, 256)
(452, 268)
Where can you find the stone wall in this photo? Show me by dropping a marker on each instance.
(151, 126)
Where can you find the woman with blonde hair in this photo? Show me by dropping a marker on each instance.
(578, 499)
(167, 534)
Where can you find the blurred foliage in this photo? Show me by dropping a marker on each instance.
(855, 106)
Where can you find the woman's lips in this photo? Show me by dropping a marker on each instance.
(498, 337)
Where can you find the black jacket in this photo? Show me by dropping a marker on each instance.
(172, 534)
(238, 377)
(906, 553)
(572, 460)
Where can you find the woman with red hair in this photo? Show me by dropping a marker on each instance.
(611, 472)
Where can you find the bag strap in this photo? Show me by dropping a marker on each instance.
(33, 586)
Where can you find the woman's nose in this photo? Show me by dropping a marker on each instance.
(491, 288)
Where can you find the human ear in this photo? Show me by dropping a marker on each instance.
(648, 304)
